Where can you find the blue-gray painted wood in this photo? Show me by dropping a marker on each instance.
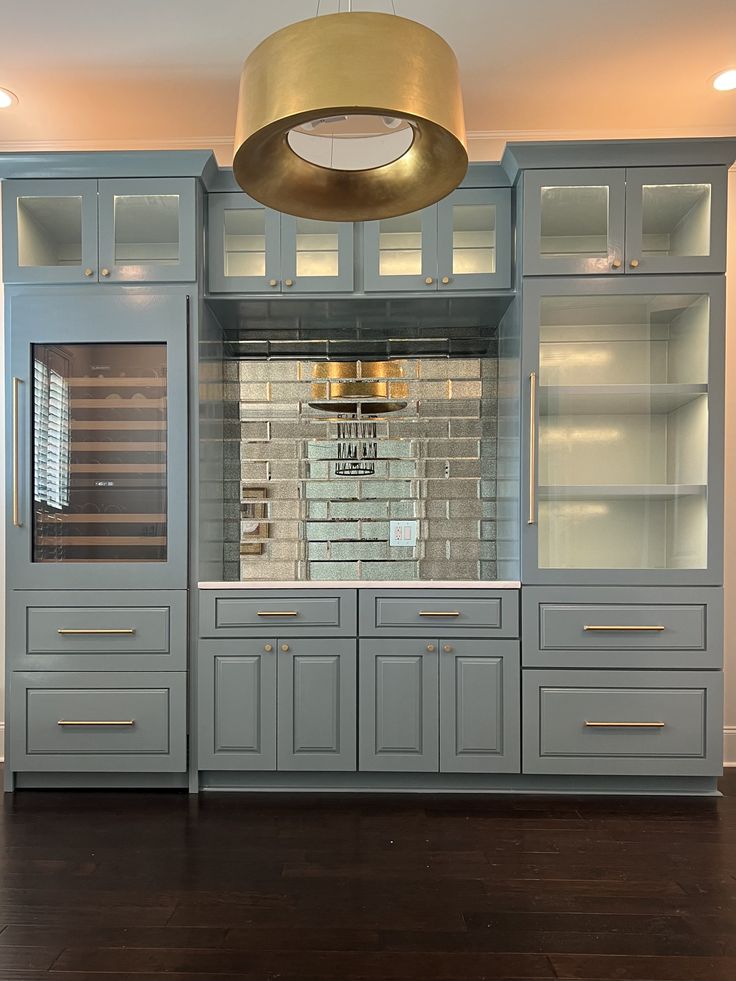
(468, 612)
(158, 617)
(715, 260)
(317, 704)
(534, 261)
(554, 619)
(155, 702)
(398, 715)
(114, 163)
(557, 705)
(218, 282)
(712, 286)
(86, 191)
(500, 279)
(136, 271)
(321, 612)
(479, 691)
(343, 282)
(236, 704)
(375, 281)
(68, 316)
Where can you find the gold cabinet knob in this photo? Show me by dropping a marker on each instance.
(273, 282)
(430, 648)
(268, 648)
(445, 280)
(429, 280)
(105, 272)
(288, 282)
(634, 263)
(89, 272)
(284, 648)
(447, 649)
(616, 264)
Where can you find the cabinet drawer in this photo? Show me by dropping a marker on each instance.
(622, 628)
(300, 613)
(623, 722)
(74, 630)
(98, 721)
(428, 612)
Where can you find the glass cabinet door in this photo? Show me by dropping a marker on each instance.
(619, 464)
(244, 245)
(676, 219)
(49, 231)
(147, 230)
(401, 253)
(474, 239)
(316, 256)
(573, 222)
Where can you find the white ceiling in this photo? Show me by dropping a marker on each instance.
(147, 73)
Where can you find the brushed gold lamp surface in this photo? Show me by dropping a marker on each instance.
(350, 117)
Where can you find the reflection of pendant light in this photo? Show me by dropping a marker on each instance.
(350, 117)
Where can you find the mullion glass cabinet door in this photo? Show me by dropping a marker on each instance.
(573, 222)
(147, 230)
(49, 231)
(401, 253)
(676, 220)
(316, 256)
(474, 239)
(244, 245)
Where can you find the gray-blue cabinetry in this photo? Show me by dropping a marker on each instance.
(391, 612)
(262, 612)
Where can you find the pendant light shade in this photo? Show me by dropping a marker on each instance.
(350, 117)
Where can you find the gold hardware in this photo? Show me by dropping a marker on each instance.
(105, 272)
(624, 725)
(532, 448)
(277, 613)
(284, 648)
(268, 648)
(445, 280)
(430, 648)
(89, 272)
(634, 263)
(121, 630)
(439, 613)
(17, 522)
(273, 282)
(592, 626)
(288, 282)
(92, 722)
(429, 280)
(447, 649)
(616, 263)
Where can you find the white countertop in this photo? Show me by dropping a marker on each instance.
(363, 584)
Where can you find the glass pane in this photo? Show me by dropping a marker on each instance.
(146, 228)
(473, 239)
(574, 221)
(400, 246)
(623, 432)
(675, 219)
(245, 242)
(316, 248)
(99, 452)
(50, 231)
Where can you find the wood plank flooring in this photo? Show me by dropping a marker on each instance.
(142, 886)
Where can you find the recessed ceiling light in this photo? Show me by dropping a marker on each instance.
(725, 81)
(7, 98)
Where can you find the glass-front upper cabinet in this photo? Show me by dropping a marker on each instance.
(617, 221)
(462, 243)
(59, 231)
(624, 387)
(255, 249)
(98, 429)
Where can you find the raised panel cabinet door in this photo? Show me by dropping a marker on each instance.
(676, 220)
(400, 254)
(316, 256)
(237, 705)
(243, 245)
(479, 706)
(573, 222)
(399, 705)
(148, 230)
(49, 231)
(474, 239)
(316, 704)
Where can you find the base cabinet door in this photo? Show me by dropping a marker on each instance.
(316, 704)
(399, 707)
(479, 706)
(237, 705)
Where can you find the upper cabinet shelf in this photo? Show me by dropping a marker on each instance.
(624, 221)
(107, 231)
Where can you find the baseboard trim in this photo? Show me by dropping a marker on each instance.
(2, 742)
(729, 745)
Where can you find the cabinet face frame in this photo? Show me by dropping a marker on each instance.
(500, 199)
(77, 317)
(12, 190)
(374, 282)
(342, 283)
(534, 291)
(218, 282)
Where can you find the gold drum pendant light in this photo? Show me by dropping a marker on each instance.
(350, 117)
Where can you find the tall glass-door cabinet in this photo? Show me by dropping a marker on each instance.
(622, 418)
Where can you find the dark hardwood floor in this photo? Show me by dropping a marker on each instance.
(142, 886)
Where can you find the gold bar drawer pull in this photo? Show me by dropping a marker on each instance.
(277, 613)
(439, 613)
(65, 632)
(624, 725)
(589, 626)
(91, 722)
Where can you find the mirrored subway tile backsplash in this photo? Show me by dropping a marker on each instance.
(363, 470)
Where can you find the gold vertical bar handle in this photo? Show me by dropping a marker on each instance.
(624, 725)
(96, 722)
(532, 448)
(17, 520)
(624, 626)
